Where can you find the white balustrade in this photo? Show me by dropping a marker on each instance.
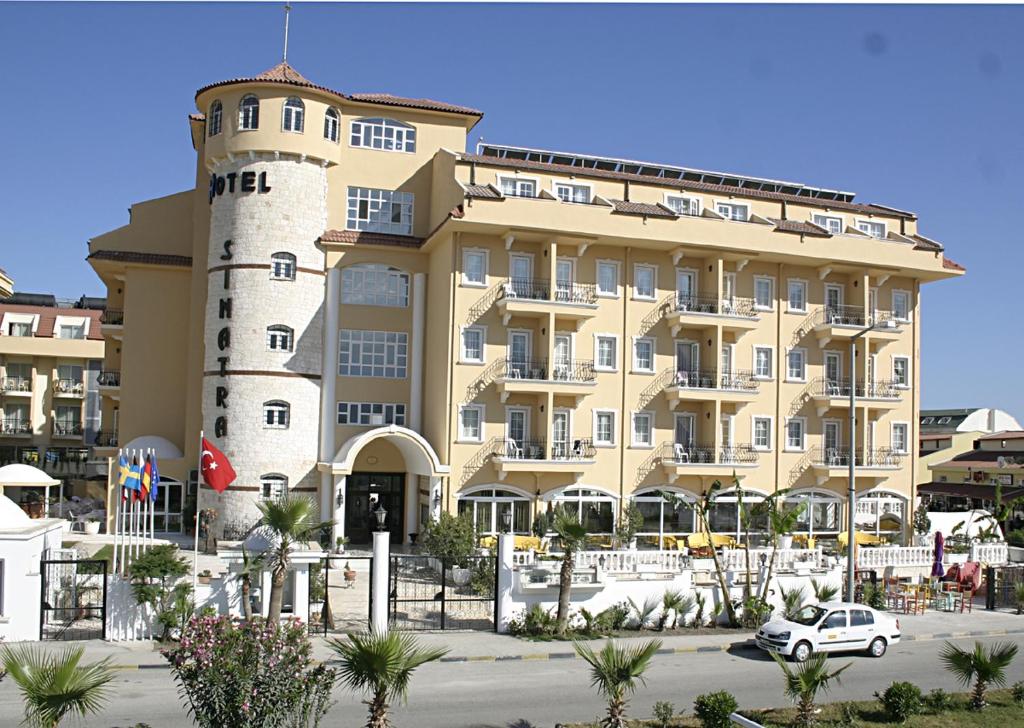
(785, 559)
(524, 558)
(872, 557)
(990, 553)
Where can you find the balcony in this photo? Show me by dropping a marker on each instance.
(112, 317)
(68, 388)
(535, 456)
(68, 430)
(678, 459)
(834, 462)
(844, 322)
(698, 386)
(109, 382)
(15, 427)
(571, 377)
(532, 297)
(735, 314)
(69, 461)
(831, 393)
(16, 385)
(105, 439)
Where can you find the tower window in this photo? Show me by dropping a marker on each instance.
(276, 415)
(273, 486)
(280, 338)
(213, 120)
(282, 267)
(249, 113)
(386, 134)
(294, 114)
(331, 123)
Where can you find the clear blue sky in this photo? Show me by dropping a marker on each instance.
(918, 107)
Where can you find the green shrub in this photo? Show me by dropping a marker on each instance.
(713, 709)
(901, 700)
(482, 578)
(452, 538)
(664, 711)
(874, 597)
(1017, 691)
(534, 622)
(939, 701)
(157, 580)
(615, 617)
(1015, 537)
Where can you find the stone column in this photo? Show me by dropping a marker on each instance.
(379, 581)
(419, 312)
(506, 576)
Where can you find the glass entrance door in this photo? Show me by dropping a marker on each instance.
(364, 493)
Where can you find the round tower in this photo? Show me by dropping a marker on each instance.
(265, 286)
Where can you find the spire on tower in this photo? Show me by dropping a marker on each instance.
(287, 12)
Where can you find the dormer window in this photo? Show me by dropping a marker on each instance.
(683, 205)
(213, 119)
(572, 193)
(874, 229)
(294, 114)
(518, 187)
(384, 134)
(833, 224)
(249, 113)
(331, 122)
(733, 211)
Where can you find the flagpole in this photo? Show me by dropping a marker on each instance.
(117, 510)
(124, 525)
(152, 485)
(135, 509)
(195, 552)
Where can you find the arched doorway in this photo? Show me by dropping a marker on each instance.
(390, 468)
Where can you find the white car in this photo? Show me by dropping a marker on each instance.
(830, 627)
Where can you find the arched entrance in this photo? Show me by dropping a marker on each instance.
(393, 468)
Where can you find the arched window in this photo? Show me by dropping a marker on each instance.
(664, 518)
(882, 514)
(282, 267)
(213, 119)
(594, 509)
(280, 338)
(294, 111)
(487, 508)
(249, 113)
(725, 514)
(276, 414)
(386, 134)
(273, 486)
(372, 284)
(821, 510)
(331, 122)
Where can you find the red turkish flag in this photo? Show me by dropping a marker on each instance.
(217, 470)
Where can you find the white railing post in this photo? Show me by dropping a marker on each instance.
(379, 580)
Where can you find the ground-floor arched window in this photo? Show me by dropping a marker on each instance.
(821, 512)
(488, 506)
(675, 518)
(594, 509)
(724, 515)
(882, 513)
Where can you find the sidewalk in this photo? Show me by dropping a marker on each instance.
(490, 647)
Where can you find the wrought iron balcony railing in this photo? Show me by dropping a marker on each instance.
(742, 381)
(840, 388)
(112, 317)
(852, 316)
(839, 457)
(734, 306)
(109, 378)
(68, 386)
(16, 384)
(677, 453)
(535, 449)
(67, 429)
(105, 439)
(15, 426)
(563, 370)
(539, 289)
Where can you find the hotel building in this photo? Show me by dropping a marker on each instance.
(355, 308)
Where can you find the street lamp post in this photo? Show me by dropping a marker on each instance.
(851, 506)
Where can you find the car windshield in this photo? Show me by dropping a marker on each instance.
(808, 616)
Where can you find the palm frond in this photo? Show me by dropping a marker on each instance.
(806, 680)
(381, 662)
(55, 684)
(617, 671)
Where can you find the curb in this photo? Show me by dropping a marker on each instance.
(685, 650)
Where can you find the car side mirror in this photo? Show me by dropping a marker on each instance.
(823, 626)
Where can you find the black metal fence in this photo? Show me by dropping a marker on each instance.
(426, 593)
(340, 594)
(1001, 583)
(73, 599)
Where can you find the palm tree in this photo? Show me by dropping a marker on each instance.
(677, 603)
(382, 664)
(616, 672)
(573, 536)
(984, 667)
(792, 601)
(251, 566)
(805, 681)
(290, 521)
(823, 591)
(54, 685)
(643, 613)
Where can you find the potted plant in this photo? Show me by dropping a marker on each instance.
(631, 522)
(204, 576)
(922, 524)
(91, 525)
(350, 574)
(340, 543)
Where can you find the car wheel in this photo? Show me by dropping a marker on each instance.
(877, 647)
(801, 652)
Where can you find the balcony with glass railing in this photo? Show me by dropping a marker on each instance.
(68, 388)
(709, 386)
(835, 393)
(16, 385)
(536, 297)
(15, 427)
(570, 377)
(538, 455)
(699, 311)
(695, 459)
(844, 322)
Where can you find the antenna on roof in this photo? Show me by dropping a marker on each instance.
(287, 11)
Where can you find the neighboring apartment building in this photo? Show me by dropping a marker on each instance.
(947, 433)
(968, 479)
(6, 284)
(50, 356)
(355, 308)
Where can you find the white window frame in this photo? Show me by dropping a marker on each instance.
(10, 317)
(617, 267)
(378, 284)
(464, 358)
(649, 417)
(732, 207)
(77, 322)
(516, 179)
(803, 434)
(895, 358)
(332, 125)
(906, 293)
(283, 260)
(297, 124)
(254, 116)
(802, 283)
(573, 186)
(527, 417)
(365, 410)
(614, 415)
(753, 432)
(691, 203)
(825, 221)
(598, 367)
(401, 339)
(771, 293)
(906, 437)
(275, 333)
(885, 228)
(771, 362)
(272, 480)
(376, 220)
(803, 354)
(463, 437)
(637, 369)
(278, 406)
(466, 253)
(653, 267)
(377, 126)
(215, 118)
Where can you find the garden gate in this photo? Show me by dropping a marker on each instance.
(73, 603)
(1000, 587)
(428, 593)
(340, 594)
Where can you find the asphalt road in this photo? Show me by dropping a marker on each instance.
(540, 694)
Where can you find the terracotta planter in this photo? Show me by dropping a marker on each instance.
(350, 575)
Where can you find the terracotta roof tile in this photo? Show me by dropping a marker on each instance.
(952, 264)
(129, 256)
(197, 117)
(48, 318)
(361, 237)
(415, 103)
(626, 207)
(485, 192)
(800, 226)
(923, 243)
(284, 73)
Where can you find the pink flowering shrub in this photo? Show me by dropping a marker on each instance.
(254, 674)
